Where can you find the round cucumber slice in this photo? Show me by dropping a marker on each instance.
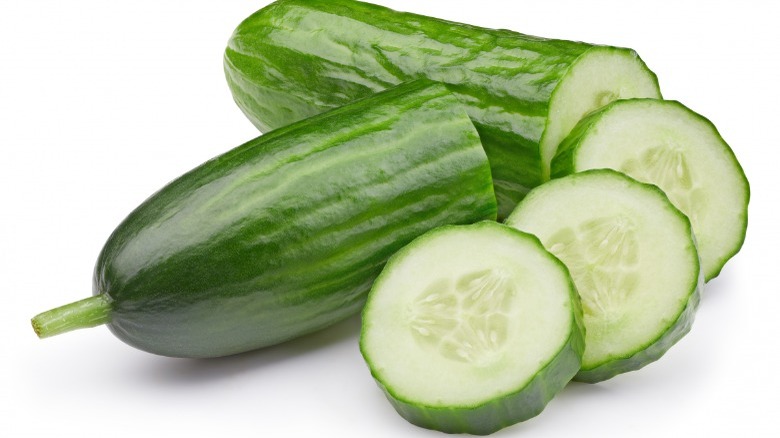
(667, 144)
(472, 328)
(633, 258)
(599, 76)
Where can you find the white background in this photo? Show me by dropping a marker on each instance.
(101, 103)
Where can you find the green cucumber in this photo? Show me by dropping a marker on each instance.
(667, 144)
(633, 258)
(296, 58)
(472, 328)
(284, 235)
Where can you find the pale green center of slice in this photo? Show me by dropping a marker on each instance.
(464, 320)
(667, 167)
(603, 257)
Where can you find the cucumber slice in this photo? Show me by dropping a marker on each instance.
(633, 258)
(667, 144)
(472, 328)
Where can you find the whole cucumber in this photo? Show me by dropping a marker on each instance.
(285, 234)
(296, 58)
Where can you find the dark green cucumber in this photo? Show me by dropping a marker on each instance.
(296, 58)
(284, 235)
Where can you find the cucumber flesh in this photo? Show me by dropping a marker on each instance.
(598, 77)
(667, 144)
(633, 258)
(472, 328)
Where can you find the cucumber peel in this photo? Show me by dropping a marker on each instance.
(469, 329)
(633, 258)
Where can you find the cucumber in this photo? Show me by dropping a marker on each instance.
(667, 144)
(472, 328)
(296, 58)
(284, 235)
(633, 258)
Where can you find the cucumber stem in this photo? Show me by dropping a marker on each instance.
(86, 313)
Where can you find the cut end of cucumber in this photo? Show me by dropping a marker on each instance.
(472, 328)
(633, 258)
(666, 144)
(600, 76)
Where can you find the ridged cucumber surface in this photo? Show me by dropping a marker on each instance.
(285, 234)
(472, 328)
(667, 144)
(296, 58)
(633, 258)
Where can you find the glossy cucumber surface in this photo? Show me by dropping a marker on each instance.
(296, 58)
(284, 235)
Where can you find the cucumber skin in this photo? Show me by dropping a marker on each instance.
(284, 235)
(509, 409)
(296, 58)
(565, 163)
